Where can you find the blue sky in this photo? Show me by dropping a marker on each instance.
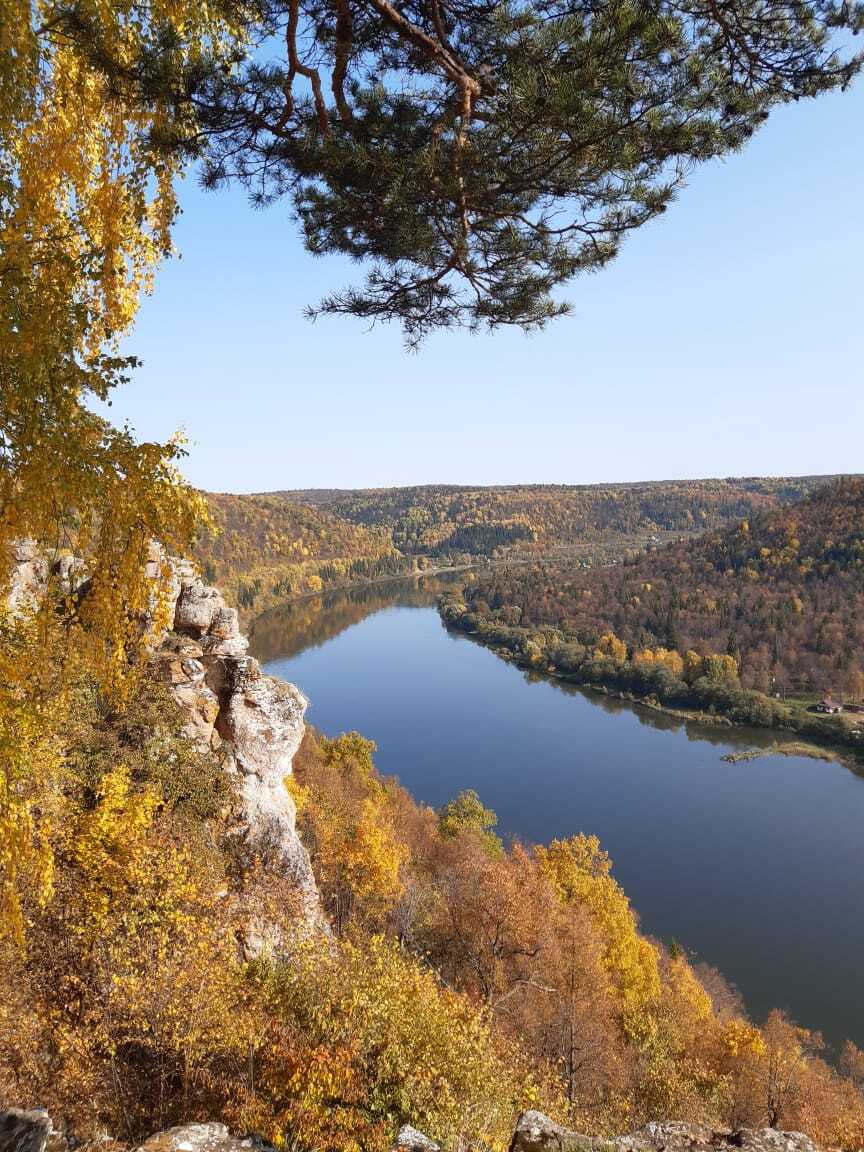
(728, 339)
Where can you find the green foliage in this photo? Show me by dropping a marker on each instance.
(482, 155)
(478, 156)
(466, 813)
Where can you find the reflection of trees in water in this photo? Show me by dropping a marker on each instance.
(308, 622)
(285, 631)
(720, 735)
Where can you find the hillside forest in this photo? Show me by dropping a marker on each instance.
(756, 621)
(265, 549)
(464, 979)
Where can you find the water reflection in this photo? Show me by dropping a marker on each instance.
(721, 734)
(313, 620)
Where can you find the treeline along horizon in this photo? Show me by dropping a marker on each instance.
(270, 547)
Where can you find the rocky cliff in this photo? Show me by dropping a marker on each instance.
(255, 722)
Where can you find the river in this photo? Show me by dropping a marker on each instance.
(754, 867)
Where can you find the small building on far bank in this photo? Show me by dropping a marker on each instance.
(829, 706)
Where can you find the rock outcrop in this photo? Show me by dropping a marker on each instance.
(409, 1139)
(200, 1138)
(33, 1132)
(262, 721)
(27, 578)
(256, 720)
(22, 1131)
(228, 704)
(537, 1133)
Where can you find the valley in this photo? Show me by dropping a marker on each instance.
(744, 864)
(389, 815)
(266, 548)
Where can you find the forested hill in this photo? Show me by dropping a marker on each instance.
(781, 595)
(263, 549)
(439, 519)
(268, 548)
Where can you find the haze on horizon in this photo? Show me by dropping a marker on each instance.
(727, 340)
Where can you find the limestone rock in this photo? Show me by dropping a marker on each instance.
(69, 571)
(166, 575)
(224, 637)
(201, 612)
(22, 1131)
(197, 605)
(262, 718)
(256, 723)
(194, 670)
(537, 1133)
(260, 937)
(156, 560)
(410, 1140)
(234, 647)
(28, 578)
(201, 706)
(673, 1136)
(770, 1140)
(208, 1137)
(159, 564)
(180, 666)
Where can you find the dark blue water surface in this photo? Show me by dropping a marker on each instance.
(754, 867)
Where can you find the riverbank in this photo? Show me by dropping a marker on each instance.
(723, 703)
(809, 749)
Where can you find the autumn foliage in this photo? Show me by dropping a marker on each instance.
(599, 519)
(737, 621)
(616, 1029)
(464, 979)
(263, 550)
